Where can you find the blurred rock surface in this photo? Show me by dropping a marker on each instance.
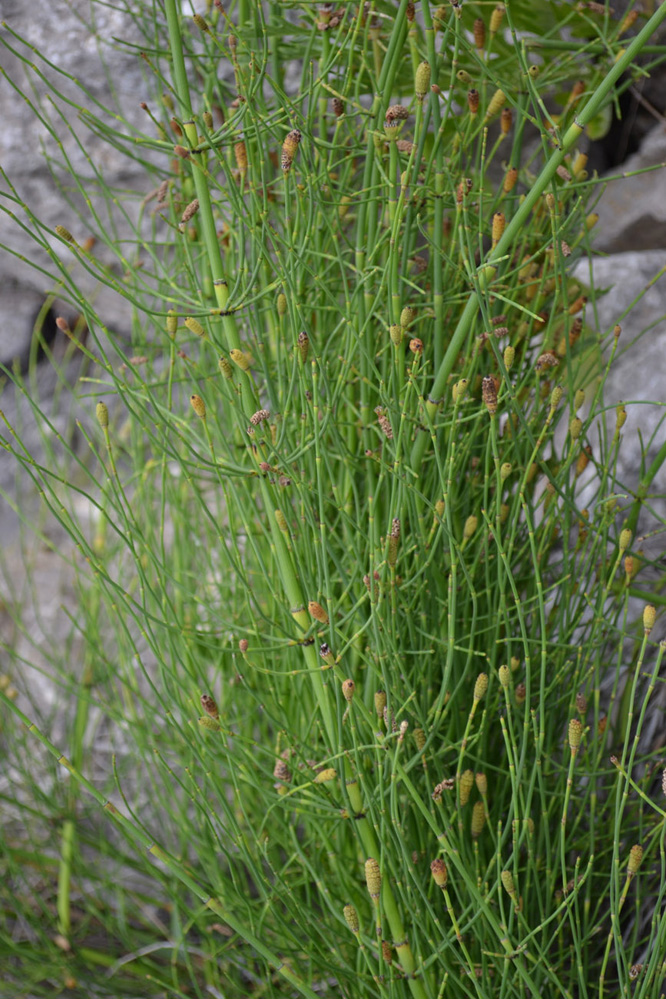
(632, 208)
(66, 41)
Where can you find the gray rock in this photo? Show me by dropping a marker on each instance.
(638, 373)
(60, 35)
(632, 210)
(71, 51)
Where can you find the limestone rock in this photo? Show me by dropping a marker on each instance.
(632, 210)
(638, 373)
(77, 48)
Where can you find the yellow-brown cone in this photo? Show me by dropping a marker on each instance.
(318, 612)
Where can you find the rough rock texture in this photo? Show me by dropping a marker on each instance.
(60, 35)
(636, 302)
(632, 209)
(637, 377)
(66, 43)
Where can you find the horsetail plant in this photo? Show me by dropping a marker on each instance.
(395, 466)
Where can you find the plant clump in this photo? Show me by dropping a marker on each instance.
(357, 429)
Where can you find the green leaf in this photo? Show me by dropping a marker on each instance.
(600, 125)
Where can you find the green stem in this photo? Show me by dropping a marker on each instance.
(200, 178)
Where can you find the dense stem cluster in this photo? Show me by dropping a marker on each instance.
(337, 506)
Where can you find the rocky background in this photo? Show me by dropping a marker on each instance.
(630, 236)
